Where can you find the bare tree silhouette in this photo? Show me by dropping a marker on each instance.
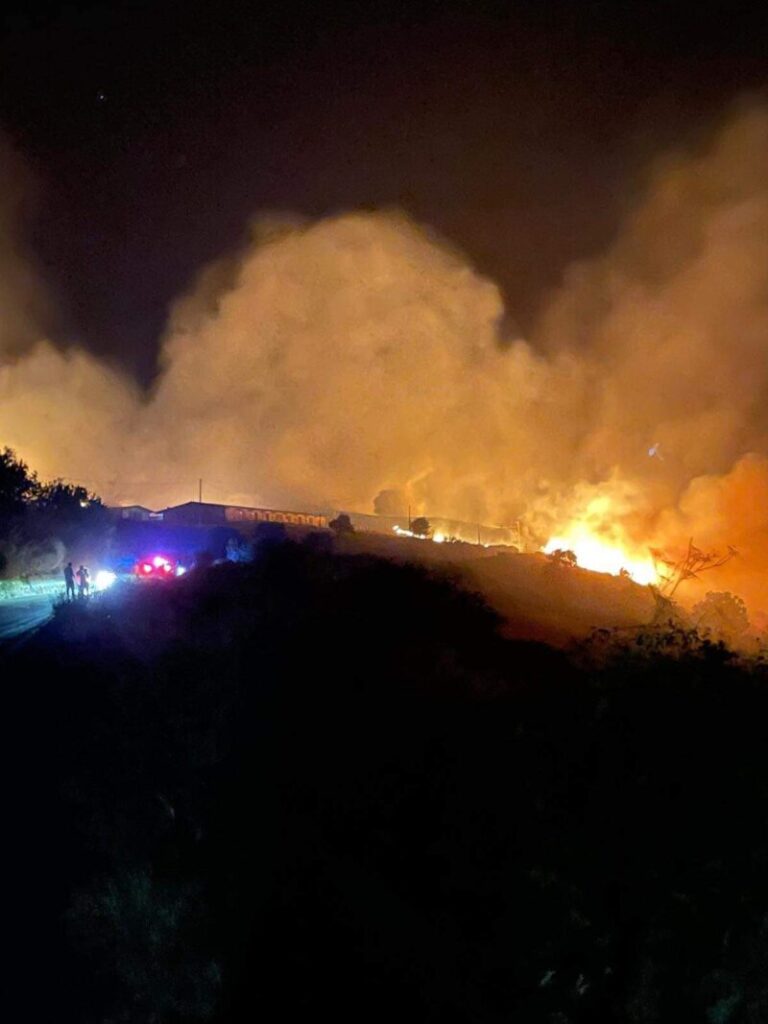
(688, 567)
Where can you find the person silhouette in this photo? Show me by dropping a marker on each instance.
(83, 581)
(69, 581)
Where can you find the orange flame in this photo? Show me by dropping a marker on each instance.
(597, 540)
(595, 553)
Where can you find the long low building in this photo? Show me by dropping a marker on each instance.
(200, 513)
(197, 513)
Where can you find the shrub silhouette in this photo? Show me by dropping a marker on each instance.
(421, 527)
(562, 557)
(723, 615)
(342, 524)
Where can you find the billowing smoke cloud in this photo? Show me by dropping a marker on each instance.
(673, 320)
(348, 357)
(671, 326)
(332, 361)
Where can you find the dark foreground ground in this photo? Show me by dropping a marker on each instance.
(324, 786)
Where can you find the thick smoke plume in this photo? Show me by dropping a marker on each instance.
(332, 361)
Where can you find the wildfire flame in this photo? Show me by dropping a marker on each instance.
(596, 553)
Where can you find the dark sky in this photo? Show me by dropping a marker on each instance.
(519, 130)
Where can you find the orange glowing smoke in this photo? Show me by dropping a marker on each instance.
(719, 511)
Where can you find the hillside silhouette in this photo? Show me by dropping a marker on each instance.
(327, 784)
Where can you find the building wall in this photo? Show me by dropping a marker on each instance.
(195, 514)
(234, 514)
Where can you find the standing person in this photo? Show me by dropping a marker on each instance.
(69, 580)
(83, 581)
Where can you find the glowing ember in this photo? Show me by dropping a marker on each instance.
(592, 552)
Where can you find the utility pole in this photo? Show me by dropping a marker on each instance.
(200, 490)
(409, 518)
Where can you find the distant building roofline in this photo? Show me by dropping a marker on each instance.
(247, 508)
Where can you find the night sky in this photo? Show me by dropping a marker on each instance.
(154, 132)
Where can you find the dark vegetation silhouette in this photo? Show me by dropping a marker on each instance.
(17, 484)
(323, 785)
(563, 558)
(40, 522)
(342, 524)
(722, 615)
(688, 566)
(421, 527)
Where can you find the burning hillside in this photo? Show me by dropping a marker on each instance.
(332, 362)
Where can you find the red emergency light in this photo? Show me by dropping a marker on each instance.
(156, 566)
